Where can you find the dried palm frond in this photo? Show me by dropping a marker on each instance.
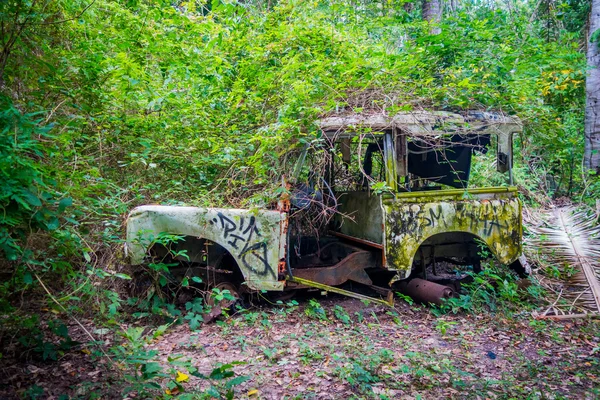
(567, 243)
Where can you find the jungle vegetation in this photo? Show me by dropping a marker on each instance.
(110, 104)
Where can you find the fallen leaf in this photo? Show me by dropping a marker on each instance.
(181, 377)
(252, 392)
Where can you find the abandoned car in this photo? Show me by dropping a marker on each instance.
(390, 198)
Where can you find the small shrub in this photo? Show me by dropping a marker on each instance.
(315, 310)
(341, 314)
(492, 289)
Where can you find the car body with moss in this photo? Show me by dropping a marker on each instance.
(391, 198)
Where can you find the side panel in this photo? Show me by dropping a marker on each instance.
(254, 238)
(360, 215)
(408, 224)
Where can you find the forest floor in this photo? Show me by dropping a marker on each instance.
(341, 348)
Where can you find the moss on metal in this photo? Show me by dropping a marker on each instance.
(253, 238)
(495, 218)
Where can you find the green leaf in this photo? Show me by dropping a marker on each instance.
(236, 381)
(151, 369)
(27, 278)
(197, 305)
(213, 392)
(222, 372)
(198, 374)
(52, 224)
(31, 198)
(595, 37)
(162, 281)
(160, 331)
(194, 320)
(64, 203)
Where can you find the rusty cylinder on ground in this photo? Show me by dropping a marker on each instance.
(425, 291)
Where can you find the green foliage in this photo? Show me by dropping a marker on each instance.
(106, 105)
(43, 342)
(405, 298)
(151, 102)
(492, 289)
(315, 310)
(222, 380)
(27, 195)
(363, 370)
(181, 96)
(308, 355)
(145, 376)
(442, 325)
(341, 314)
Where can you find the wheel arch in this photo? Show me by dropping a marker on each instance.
(462, 244)
(252, 239)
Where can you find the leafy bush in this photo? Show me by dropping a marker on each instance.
(494, 288)
(27, 195)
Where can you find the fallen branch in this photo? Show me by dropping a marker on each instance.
(568, 316)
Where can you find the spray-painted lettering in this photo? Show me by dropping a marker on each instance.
(244, 237)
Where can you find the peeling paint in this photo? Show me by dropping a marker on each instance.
(492, 215)
(254, 238)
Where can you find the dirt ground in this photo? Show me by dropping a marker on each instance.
(342, 348)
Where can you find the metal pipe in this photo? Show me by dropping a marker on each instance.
(425, 291)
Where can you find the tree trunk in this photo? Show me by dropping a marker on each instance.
(432, 12)
(591, 157)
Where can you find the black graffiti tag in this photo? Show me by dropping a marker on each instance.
(239, 236)
(494, 222)
(434, 218)
(491, 221)
(415, 222)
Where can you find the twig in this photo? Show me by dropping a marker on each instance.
(553, 304)
(51, 113)
(569, 316)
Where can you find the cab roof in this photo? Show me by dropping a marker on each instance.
(421, 123)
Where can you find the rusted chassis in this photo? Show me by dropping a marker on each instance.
(411, 229)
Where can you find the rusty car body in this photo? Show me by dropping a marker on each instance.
(396, 196)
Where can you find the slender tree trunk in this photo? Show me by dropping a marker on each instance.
(591, 157)
(432, 12)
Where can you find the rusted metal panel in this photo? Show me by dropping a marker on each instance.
(255, 238)
(346, 154)
(352, 267)
(401, 153)
(283, 207)
(494, 216)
